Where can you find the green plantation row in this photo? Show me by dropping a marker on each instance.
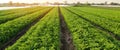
(43, 36)
(108, 19)
(7, 12)
(86, 36)
(18, 14)
(109, 8)
(11, 28)
(46, 35)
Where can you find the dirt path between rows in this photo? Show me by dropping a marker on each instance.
(21, 33)
(66, 39)
(97, 26)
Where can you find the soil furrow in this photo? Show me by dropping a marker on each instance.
(21, 33)
(66, 39)
(97, 25)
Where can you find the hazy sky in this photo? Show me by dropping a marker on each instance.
(70, 1)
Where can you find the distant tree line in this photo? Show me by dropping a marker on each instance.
(84, 4)
(19, 4)
(88, 4)
(112, 3)
(57, 3)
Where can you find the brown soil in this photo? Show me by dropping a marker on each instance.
(66, 39)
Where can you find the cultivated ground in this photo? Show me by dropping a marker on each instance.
(60, 28)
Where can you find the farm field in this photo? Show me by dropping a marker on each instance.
(60, 28)
(111, 8)
(7, 8)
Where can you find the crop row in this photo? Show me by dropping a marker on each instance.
(6, 18)
(103, 13)
(109, 8)
(86, 36)
(42, 36)
(111, 25)
(11, 28)
(11, 11)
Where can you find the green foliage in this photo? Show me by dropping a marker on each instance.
(11, 28)
(42, 36)
(108, 19)
(86, 36)
(45, 35)
(20, 13)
